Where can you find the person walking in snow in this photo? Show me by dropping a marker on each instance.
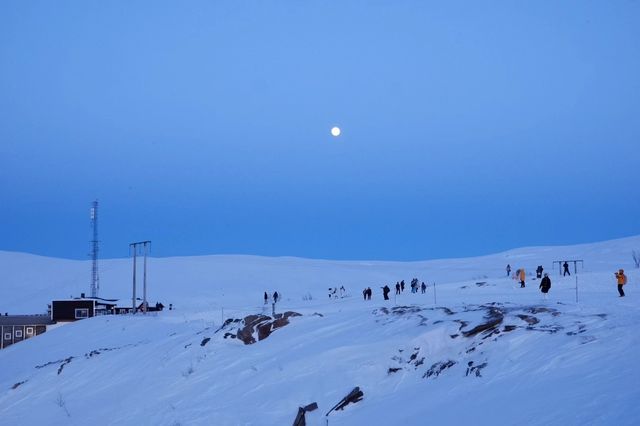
(566, 272)
(621, 278)
(539, 270)
(266, 298)
(508, 269)
(385, 292)
(402, 285)
(275, 297)
(545, 285)
(397, 288)
(423, 287)
(369, 293)
(364, 294)
(522, 277)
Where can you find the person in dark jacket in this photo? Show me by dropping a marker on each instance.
(423, 287)
(266, 297)
(397, 288)
(545, 285)
(385, 292)
(539, 270)
(565, 272)
(275, 297)
(369, 292)
(508, 269)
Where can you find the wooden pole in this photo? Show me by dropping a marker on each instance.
(134, 279)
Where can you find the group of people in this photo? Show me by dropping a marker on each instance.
(366, 293)
(335, 292)
(545, 283)
(276, 297)
(414, 286)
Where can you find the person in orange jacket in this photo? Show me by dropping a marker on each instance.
(622, 280)
(522, 277)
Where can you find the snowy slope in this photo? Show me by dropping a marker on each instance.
(488, 352)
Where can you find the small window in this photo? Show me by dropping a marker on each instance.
(7, 336)
(29, 331)
(18, 334)
(82, 313)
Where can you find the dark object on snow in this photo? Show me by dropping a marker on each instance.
(354, 396)
(545, 284)
(539, 270)
(565, 267)
(275, 297)
(385, 292)
(300, 420)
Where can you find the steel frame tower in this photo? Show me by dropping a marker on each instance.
(95, 279)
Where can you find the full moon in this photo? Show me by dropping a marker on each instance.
(335, 131)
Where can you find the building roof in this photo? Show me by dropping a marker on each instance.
(25, 320)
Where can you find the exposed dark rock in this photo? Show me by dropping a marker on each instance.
(65, 362)
(437, 368)
(261, 326)
(15, 385)
(392, 370)
(446, 310)
(494, 318)
(462, 323)
(471, 369)
(529, 319)
(205, 341)
(508, 328)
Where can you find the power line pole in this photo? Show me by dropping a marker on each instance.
(95, 279)
(134, 247)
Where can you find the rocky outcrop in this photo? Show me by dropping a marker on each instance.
(258, 327)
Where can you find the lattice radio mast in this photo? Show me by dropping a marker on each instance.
(95, 279)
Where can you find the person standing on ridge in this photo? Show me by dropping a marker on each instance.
(545, 285)
(522, 277)
(385, 292)
(266, 298)
(397, 288)
(423, 287)
(621, 278)
(565, 272)
(275, 297)
(508, 269)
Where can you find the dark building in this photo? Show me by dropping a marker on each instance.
(16, 328)
(75, 309)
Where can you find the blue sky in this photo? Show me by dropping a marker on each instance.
(468, 127)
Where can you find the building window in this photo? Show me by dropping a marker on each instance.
(7, 336)
(18, 334)
(29, 331)
(82, 313)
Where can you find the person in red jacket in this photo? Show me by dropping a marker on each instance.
(621, 278)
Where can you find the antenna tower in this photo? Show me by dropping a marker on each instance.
(95, 279)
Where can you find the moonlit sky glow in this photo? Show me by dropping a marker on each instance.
(473, 127)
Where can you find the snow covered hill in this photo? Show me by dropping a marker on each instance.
(481, 350)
